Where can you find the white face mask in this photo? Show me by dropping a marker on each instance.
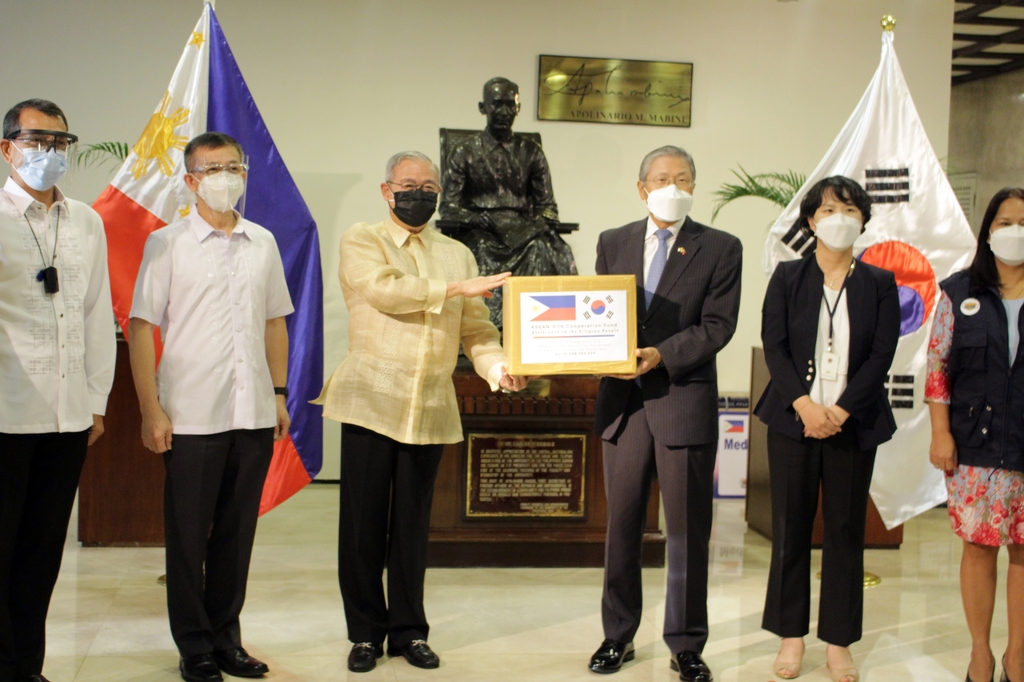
(838, 232)
(41, 170)
(1008, 244)
(669, 203)
(221, 191)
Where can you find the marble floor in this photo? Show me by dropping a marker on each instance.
(108, 620)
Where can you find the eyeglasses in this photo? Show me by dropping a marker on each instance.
(43, 140)
(680, 182)
(214, 168)
(412, 187)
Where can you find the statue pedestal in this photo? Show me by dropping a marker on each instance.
(526, 486)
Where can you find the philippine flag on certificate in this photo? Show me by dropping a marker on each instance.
(552, 308)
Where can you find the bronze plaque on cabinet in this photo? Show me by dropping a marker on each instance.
(525, 475)
(595, 90)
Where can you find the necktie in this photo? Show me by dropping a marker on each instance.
(657, 265)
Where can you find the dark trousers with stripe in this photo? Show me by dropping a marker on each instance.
(211, 503)
(843, 472)
(686, 478)
(38, 478)
(387, 489)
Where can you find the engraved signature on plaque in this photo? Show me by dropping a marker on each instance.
(597, 90)
(539, 475)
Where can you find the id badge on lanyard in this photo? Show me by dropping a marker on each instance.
(829, 368)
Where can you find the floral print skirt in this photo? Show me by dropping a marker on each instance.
(986, 505)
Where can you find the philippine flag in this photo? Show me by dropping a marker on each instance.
(207, 92)
(554, 308)
(735, 426)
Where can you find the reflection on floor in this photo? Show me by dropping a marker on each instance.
(108, 620)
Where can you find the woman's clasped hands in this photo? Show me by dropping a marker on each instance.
(820, 421)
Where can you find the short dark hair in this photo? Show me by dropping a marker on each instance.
(983, 269)
(846, 190)
(12, 120)
(498, 81)
(210, 140)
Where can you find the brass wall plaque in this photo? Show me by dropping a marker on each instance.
(595, 90)
(525, 475)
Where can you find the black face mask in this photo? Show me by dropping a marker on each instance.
(415, 208)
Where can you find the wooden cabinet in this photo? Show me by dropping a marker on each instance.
(120, 497)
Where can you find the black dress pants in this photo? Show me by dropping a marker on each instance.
(211, 502)
(38, 478)
(843, 471)
(387, 489)
(686, 478)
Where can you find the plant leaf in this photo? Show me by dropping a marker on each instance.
(778, 188)
(101, 153)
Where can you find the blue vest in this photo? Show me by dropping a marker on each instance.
(986, 409)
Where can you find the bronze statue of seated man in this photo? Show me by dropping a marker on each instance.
(497, 188)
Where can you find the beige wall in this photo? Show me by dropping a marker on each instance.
(342, 85)
(986, 135)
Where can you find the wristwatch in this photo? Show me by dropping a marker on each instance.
(281, 390)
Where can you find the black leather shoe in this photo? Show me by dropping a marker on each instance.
(239, 663)
(363, 657)
(199, 668)
(610, 656)
(418, 653)
(32, 678)
(691, 667)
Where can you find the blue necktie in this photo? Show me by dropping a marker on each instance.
(657, 265)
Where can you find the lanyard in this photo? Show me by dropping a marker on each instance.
(56, 234)
(830, 309)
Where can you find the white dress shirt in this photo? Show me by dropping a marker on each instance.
(57, 351)
(651, 243)
(212, 295)
(824, 391)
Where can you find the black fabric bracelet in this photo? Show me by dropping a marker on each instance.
(281, 390)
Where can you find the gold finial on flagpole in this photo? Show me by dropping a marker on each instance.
(888, 22)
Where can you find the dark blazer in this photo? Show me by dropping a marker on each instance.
(789, 331)
(691, 318)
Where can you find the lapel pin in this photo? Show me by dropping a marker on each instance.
(681, 250)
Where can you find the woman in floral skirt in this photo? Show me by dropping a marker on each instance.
(975, 389)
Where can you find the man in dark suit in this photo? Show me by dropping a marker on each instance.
(662, 421)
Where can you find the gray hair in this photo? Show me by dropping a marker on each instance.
(392, 164)
(667, 150)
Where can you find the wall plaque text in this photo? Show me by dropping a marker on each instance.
(525, 474)
(596, 90)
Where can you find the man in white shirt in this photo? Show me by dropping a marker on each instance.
(214, 284)
(57, 358)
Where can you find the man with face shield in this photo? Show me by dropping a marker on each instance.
(662, 420)
(214, 284)
(57, 358)
(413, 297)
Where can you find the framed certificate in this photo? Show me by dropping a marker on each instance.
(570, 325)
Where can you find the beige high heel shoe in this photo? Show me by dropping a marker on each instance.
(844, 674)
(788, 668)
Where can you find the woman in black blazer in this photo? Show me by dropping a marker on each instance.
(829, 325)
